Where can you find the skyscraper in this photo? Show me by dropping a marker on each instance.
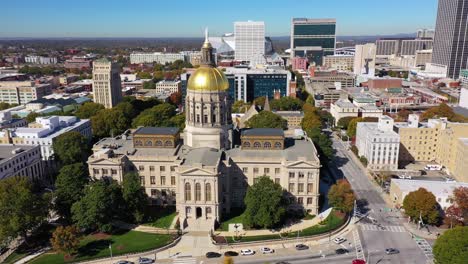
(364, 59)
(313, 38)
(107, 88)
(451, 36)
(250, 40)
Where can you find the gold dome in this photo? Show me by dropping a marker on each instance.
(208, 79)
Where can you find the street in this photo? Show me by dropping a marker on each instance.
(376, 239)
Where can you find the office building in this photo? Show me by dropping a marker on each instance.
(299, 64)
(205, 174)
(423, 57)
(40, 60)
(313, 38)
(461, 162)
(343, 108)
(332, 77)
(169, 87)
(379, 144)
(386, 47)
(250, 40)
(410, 46)
(21, 161)
(464, 78)
(22, 92)
(77, 62)
(246, 84)
(44, 131)
(339, 62)
(155, 57)
(364, 59)
(425, 33)
(443, 191)
(294, 118)
(451, 41)
(106, 83)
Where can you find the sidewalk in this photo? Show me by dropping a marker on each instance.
(29, 257)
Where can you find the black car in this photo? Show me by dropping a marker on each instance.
(231, 254)
(301, 247)
(213, 255)
(282, 262)
(341, 251)
(391, 251)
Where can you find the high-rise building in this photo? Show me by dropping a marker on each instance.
(106, 83)
(313, 38)
(425, 33)
(250, 40)
(364, 59)
(451, 36)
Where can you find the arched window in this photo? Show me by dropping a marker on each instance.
(197, 192)
(148, 143)
(247, 144)
(188, 192)
(208, 192)
(138, 143)
(159, 143)
(278, 145)
(267, 145)
(257, 145)
(168, 143)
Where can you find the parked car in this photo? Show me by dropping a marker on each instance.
(339, 240)
(359, 261)
(390, 251)
(213, 255)
(301, 247)
(231, 254)
(266, 250)
(145, 261)
(341, 251)
(247, 252)
(124, 262)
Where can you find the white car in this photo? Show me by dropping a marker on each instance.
(339, 240)
(266, 250)
(247, 252)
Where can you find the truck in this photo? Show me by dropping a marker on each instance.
(433, 167)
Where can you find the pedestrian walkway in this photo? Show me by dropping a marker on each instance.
(185, 261)
(371, 227)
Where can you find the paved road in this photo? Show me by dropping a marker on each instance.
(375, 240)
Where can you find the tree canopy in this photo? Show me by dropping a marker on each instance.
(89, 109)
(71, 147)
(240, 106)
(343, 123)
(135, 196)
(101, 203)
(460, 196)
(451, 246)
(442, 110)
(69, 187)
(286, 103)
(267, 119)
(352, 126)
(109, 122)
(158, 116)
(265, 204)
(312, 124)
(65, 240)
(341, 196)
(422, 202)
(21, 209)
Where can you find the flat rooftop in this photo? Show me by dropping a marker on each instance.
(157, 131)
(436, 187)
(263, 132)
(5, 150)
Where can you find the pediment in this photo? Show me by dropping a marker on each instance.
(104, 162)
(301, 164)
(197, 172)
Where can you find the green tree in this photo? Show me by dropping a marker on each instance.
(134, 196)
(21, 209)
(88, 109)
(352, 126)
(149, 85)
(267, 119)
(443, 110)
(310, 100)
(265, 204)
(422, 203)
(157, 116)
(178, 121)
(158, 76)
(460, 195)
(341, 196)
(451, 247)
(144, 75)
(71, 147)
(101, 203)
(127, 109)
(286, 103)
(344, 122)
(109, 122)
(65, 240)
(69, 187)
(240, 106)
(31, 117)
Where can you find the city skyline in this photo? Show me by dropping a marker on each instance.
(54, 19)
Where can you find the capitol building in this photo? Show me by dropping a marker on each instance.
(206, 169)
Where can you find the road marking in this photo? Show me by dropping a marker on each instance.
(357, 245)
(394, 229)
(185, 261)
(425, 247)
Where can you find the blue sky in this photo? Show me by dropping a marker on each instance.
(187, 18)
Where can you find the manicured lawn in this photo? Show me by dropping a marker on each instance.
(161, 217)
(15, 256)
(97, 246)
(332, 222)
(309, 217)
(236, 217)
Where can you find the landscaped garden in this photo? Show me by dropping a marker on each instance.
(161, 217)
(97, 246)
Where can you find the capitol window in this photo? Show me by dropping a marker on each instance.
(277, 145)
(257, 145)
(267, 145)
(208, 192)
(247, 144)
(197, 192)
(188, 192)
(148, 143)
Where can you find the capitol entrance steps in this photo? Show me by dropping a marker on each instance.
(198, 224)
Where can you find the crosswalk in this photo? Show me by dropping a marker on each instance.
(358, 245)
(425, 247)
(185, 261)
(370, 227)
